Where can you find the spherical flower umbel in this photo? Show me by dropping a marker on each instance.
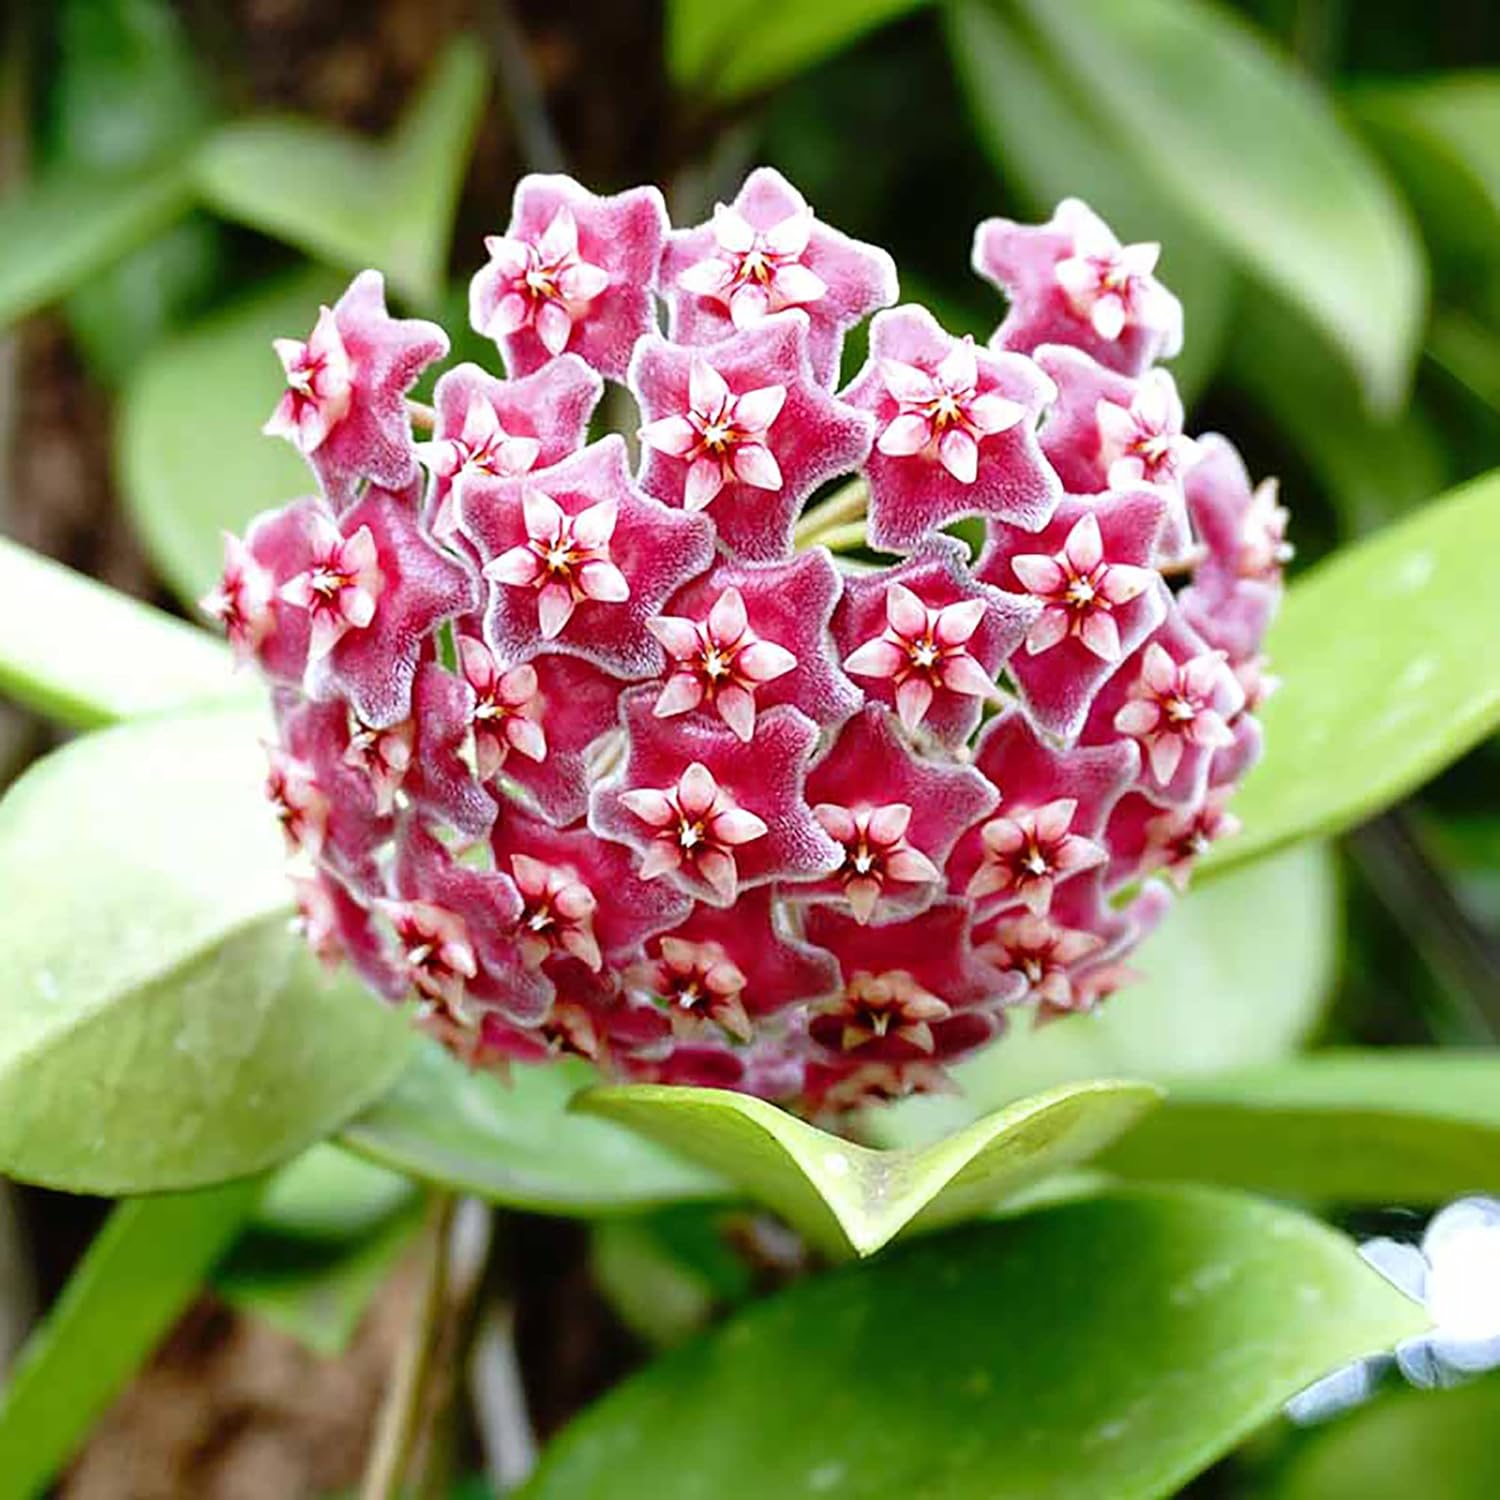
(640, 763)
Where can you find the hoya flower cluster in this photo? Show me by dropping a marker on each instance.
(611, 756)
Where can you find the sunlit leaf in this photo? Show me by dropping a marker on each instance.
(1110, 1347)
(1214, 995)
(1385, 675)
(160, 1025)
(141, 1272)
(1380, 1127)
(348, 200)
(846, 1197)
(730, 48)
(88, 655)
(1252, 149)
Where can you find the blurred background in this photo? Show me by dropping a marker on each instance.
(179, 182)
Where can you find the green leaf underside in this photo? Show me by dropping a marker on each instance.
(1442, 1444)
(88, 655)
(144, 1268)
(1043, 135)
(1385, 675)
(69, 225)
(1383, 1126)
(846, 1197)
(190, 456)
(161, 1027)
(350, 201)
(1214, 994)
(732, 48)
(515, 1142)
(1113, 1346)
(1250, 147)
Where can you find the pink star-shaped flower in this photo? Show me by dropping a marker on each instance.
(477, 908)
(895, 817)
(744, 429)
(532, 723)
(243, 600)
(1070, 281)
(344, 407)
(1079, 591)
(1060, 671)
(576, 556)
(712, 813)
(1178, 702)
(337, 926)
(573, 272)
(383, 756)
(787, 609)
(1043, 955)
(1146, 839)
(955, 431)
(927, 638)
(503, 428)
(374, 590)
(1053, 810)
(626, 911)
(730, 968)
(766, 252)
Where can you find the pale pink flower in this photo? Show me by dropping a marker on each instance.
(1026, 852)
(243, 601)
(1143, 443)
(319, 385)
(1173, 705)
(341, 586)
(557, 913)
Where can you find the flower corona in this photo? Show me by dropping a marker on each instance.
(748, 767)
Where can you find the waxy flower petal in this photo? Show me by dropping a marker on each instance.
(344, 408)
(766, 252)
(743, 431)
(573, 272)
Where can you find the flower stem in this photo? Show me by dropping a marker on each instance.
(401, 1415)
(837, 538)
(845, 504)
(421, 414)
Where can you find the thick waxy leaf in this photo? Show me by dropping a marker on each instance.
(191, 458)
(516, 1143)
(328, 1193)
(68, 225)
(1214, 994)
(1386, 675)
(846, 1197)
(1259, 157)
(89, 655)
(1441, 137)
(1109, 1347)
(141, 1272)
(1043, 134)
(347, 200)
(1385, 1126)
(731, 48)
(160, 1026)
(1416, 1443)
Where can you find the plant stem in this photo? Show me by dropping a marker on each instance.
(401, 1415)
(421, 414)
(845, 504)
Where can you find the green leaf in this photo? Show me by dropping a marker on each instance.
(1469, 351)
(1386, 1126)
(1436, 1443)
(845, 1197)
(1040, 132)
(89, 655)
(1215, 994)
(516, 1143)
(732, 48)
(1114, 1346)
(141, 1272)
(330, 1194)
(1384, 677)
(1441, 138)
(1251, 148)
(316, 1292)
(67, 225)
(190, 456)
(352, 202)
(1374, 468)
(160, 1026)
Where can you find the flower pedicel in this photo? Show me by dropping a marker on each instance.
(628, 764)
